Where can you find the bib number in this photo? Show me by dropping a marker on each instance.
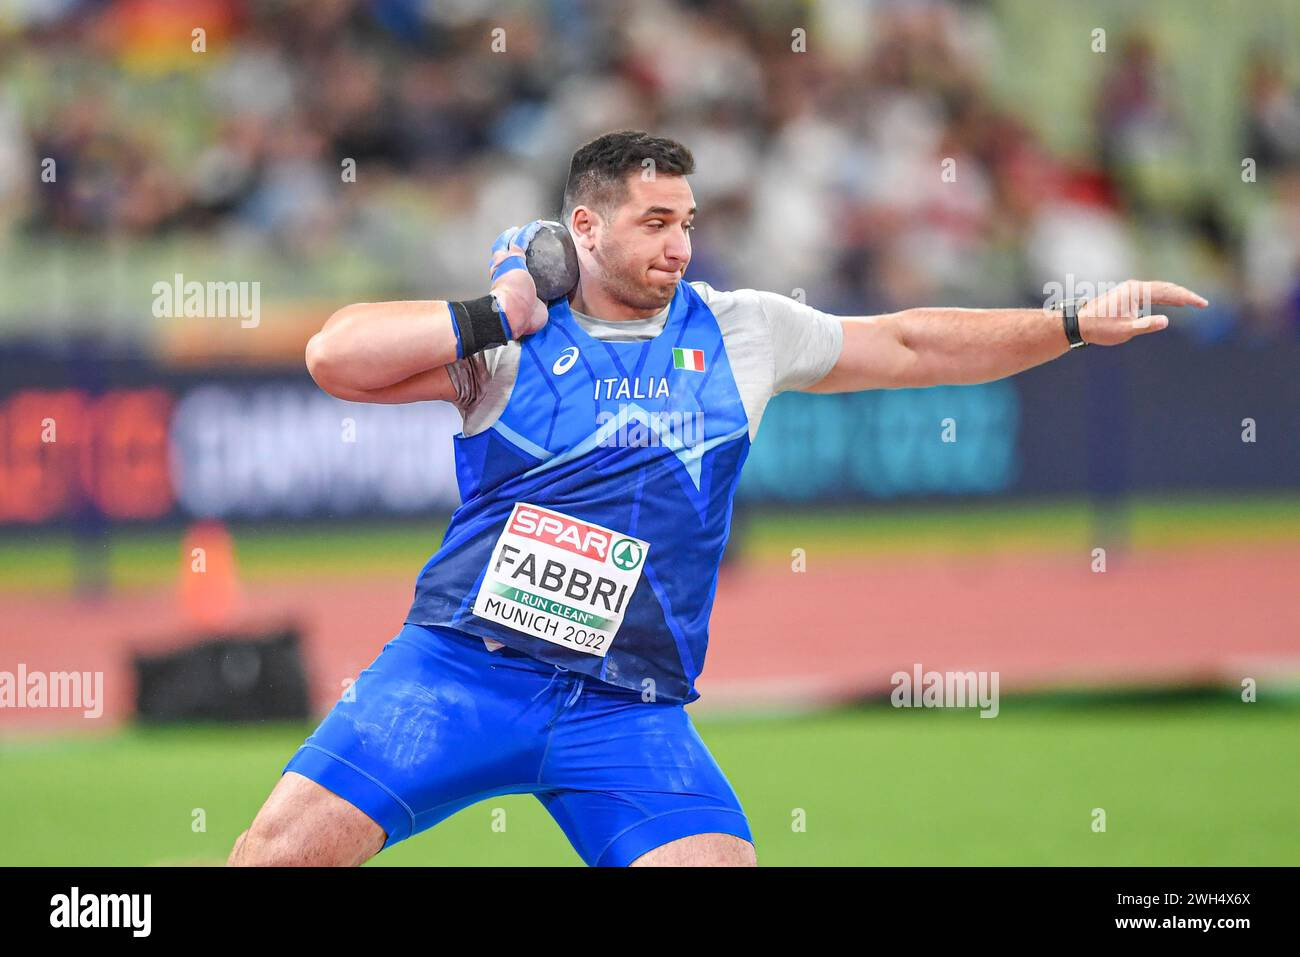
(561, 579)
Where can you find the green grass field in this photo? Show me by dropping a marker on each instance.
(1207, 781)
(46, 562)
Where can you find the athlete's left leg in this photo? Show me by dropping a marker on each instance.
(631, 782)
(700, 850)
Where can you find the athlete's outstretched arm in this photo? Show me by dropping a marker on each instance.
(924, 347)
(398, 351)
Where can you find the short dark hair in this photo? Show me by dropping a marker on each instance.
(598, 172)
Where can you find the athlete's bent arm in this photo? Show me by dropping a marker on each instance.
(385, 352)
(398, 351)
(924, 347)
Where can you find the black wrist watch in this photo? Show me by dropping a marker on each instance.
(1069, 309)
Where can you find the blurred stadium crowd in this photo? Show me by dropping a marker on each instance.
(818, 171)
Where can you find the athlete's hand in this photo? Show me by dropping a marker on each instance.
(512, 286)
(1117, 316)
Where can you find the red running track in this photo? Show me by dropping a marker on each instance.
(786, 639)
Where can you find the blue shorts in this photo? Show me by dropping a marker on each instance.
(439, 722)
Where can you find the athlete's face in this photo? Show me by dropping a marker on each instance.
(641, 252)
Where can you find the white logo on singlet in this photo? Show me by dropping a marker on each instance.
(567, 358)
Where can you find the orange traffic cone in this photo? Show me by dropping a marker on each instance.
(210, 592)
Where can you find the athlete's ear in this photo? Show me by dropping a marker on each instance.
(582, 227)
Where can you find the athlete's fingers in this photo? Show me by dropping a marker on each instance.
(501, 254)
(506, 260)
(505, 238)
(1147, 324)
(525, 235)
(1168, 294)
(501, 244)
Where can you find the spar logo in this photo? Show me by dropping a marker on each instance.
(627, 554)
(561, 531)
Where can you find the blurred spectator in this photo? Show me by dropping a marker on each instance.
(1271, 254)
(1272, 111)
(1143, 140)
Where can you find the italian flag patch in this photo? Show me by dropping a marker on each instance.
(692, 360)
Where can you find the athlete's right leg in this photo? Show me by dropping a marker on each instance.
(304, 825)
(436, 723)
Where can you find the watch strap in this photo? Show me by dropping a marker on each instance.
(1070, 318)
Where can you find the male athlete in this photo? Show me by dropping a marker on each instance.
(557, 633)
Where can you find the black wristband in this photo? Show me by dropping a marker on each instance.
(1070, 316)
(479, 324)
